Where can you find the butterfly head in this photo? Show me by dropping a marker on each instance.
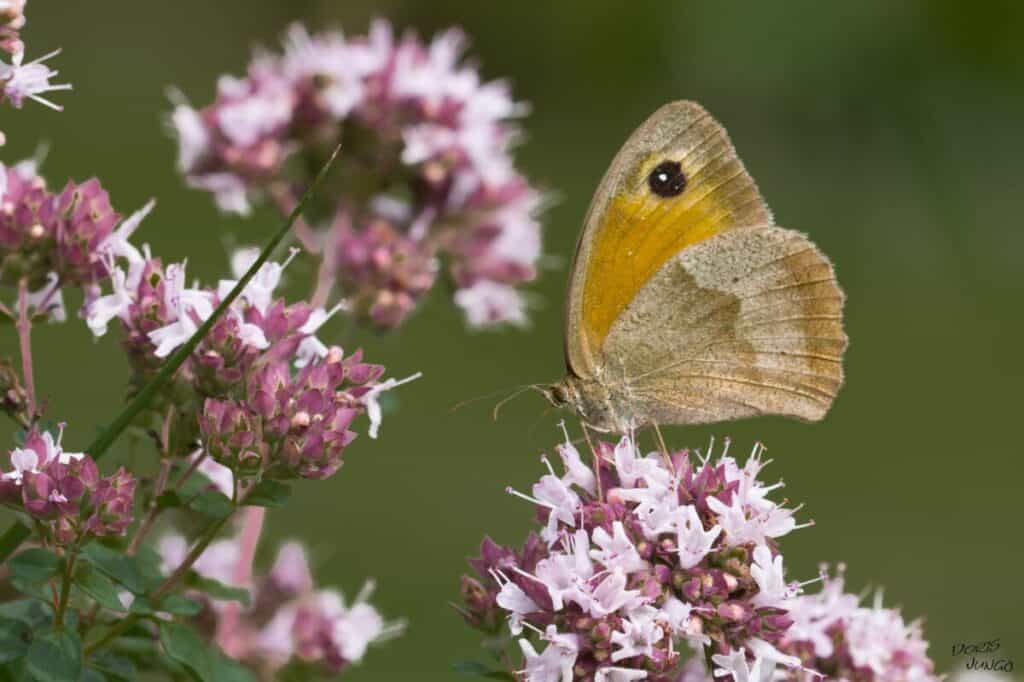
(590, 400)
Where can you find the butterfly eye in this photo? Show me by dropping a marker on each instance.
(667, 179)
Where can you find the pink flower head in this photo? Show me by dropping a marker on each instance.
(112, 504)
(832, 632)
(231, 435)
(84, 219)
(427, 138)
(293, 423)
(65, 491)
(632, 562)
(20, 81)
(289, 619)
(383, 272)
(12, 20)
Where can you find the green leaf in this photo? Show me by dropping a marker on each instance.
(16, 534)
(268, 493)
(114, 667)
(129, 571)
(211, 503)
(11, 672)
(28, 611)
(15, 637)
(90, 674)
(229, 670)
(478, 669)
(150, 564)
(180, 606)
(193, 485)
(216, 589)
(34, 565)
(11, 538)
(168, 500)
(140, 647)
(183, 645)
(142, 606)
(98, 586)
(55, 657)
(38, 591)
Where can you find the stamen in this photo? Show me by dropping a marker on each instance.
(525, 575)
(531, 626)
(498, 576)
(292, 253)
(512, 491)
(45, 57)
(565, 431)
(366, 591)
(821, 578)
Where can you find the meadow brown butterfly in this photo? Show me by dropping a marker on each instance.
(686, 304)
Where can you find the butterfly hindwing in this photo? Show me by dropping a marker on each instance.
(744, 323)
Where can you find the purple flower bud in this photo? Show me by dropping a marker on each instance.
(480, 606)
(383, 272)
(12, 20)
(82, 219)
(27, 232)
(13, 397)
(112, 504)
(39, 496)
(232, 434)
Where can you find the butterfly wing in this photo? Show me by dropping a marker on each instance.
(630, 233)
(744, 323)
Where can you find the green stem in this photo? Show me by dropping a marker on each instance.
(24, 325)
(154, 506)
(65, 590)
(14, 535)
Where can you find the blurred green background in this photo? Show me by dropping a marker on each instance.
(891, 132)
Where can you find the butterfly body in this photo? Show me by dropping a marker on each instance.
(687, 304)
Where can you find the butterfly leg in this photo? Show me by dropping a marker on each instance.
(596, 458)
(664, 448)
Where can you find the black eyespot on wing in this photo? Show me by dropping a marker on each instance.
(667, 179)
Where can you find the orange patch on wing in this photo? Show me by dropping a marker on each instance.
(637, 236)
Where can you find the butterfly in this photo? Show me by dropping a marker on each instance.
(686, 303)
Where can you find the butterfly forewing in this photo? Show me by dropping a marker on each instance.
(747, 322)
(631, 231)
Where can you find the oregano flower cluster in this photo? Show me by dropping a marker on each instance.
(428, 181)
(665, 566)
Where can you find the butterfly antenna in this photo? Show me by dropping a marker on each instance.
(516, 390)
(501, 403)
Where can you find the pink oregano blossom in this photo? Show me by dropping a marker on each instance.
(56, 239)
(426, 180)
(289, 621)
(21, 80)
(64, 492)
(647, 566)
